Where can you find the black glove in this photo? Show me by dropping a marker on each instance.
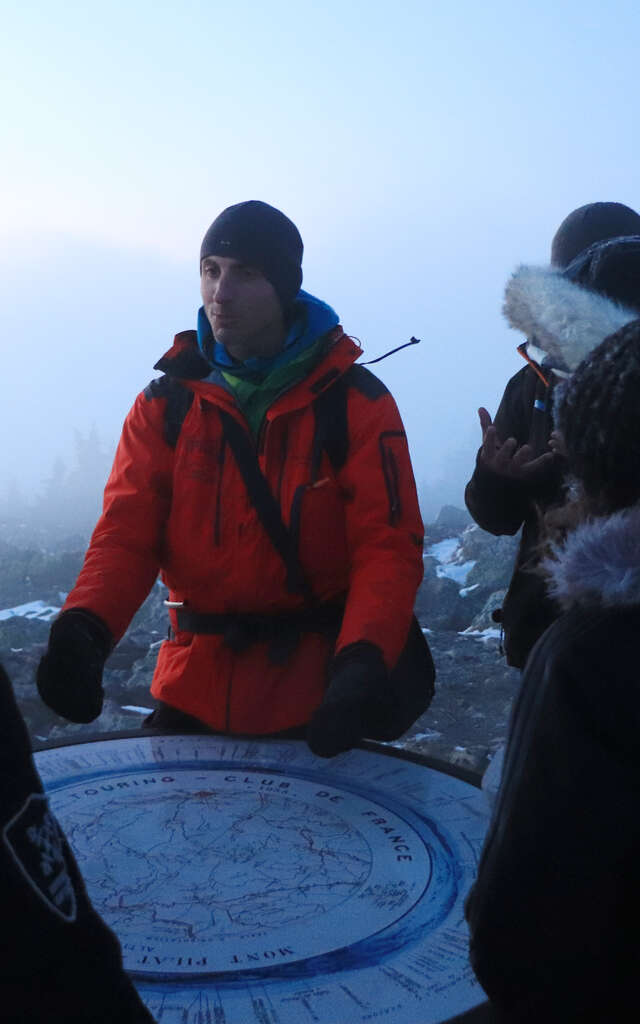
(357, 677)
(69, 675)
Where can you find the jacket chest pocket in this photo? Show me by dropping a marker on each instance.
(203, 459)
(202, 497)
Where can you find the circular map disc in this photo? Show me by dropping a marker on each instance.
(253, 882)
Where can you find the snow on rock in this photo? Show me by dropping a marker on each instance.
(484, 635)
(31, 610)
(428, 734)
(451, 565)
(469, 590)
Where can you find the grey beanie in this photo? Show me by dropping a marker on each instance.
(612, 268)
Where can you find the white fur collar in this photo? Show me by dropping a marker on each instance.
(567, 320)
(599, 562)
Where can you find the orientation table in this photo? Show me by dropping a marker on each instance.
(250, 881)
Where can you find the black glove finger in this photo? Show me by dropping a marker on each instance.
(334, 729)
(357, 674)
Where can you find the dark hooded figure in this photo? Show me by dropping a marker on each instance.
(60, 962)
(554, 912)
(519, 471)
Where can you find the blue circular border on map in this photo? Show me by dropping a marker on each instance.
(438, 898)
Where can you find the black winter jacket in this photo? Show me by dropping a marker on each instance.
(60, 962)
(553, 915)
(501, 506)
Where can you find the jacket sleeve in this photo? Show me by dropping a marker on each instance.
(383, 525)
(554, 909)
(123, 558)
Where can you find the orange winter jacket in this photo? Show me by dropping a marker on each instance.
(183, 510)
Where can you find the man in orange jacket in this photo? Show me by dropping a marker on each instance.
(266, 476)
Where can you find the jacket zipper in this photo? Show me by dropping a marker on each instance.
(391, 476)
(260, 441)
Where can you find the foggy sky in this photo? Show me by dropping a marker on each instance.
(423, 154)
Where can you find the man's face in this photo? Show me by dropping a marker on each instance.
(242, 307)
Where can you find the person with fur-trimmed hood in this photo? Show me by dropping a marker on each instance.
(519, 470)
(554, 912)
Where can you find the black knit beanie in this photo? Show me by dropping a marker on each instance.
(591, 223)
(612, 268)
(262, 237)
(598, 412)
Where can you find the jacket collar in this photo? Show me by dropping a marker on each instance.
(185, 361)
(599, 562)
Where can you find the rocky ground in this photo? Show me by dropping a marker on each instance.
(468, 718)
(466, 572)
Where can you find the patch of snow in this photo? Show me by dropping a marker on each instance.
(448, 554)
(156, 643)
(134, 707)
(467, 590)
(444, 550)
(425, 629)
(457, 573)
(484, 635)
(430, 734)
(16, 650)
(31, 610)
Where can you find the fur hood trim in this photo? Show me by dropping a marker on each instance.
(566, 320)
(599, 562)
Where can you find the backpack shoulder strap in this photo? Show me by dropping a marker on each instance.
(268, 509)
(179, 399)
(366, 382)
(332, 424)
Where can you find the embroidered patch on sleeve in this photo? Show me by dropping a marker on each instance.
(36, 843)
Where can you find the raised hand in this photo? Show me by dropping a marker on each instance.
(506, 458)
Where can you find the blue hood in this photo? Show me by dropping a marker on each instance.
(312, 318)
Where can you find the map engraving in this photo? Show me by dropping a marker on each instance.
(254, 882)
